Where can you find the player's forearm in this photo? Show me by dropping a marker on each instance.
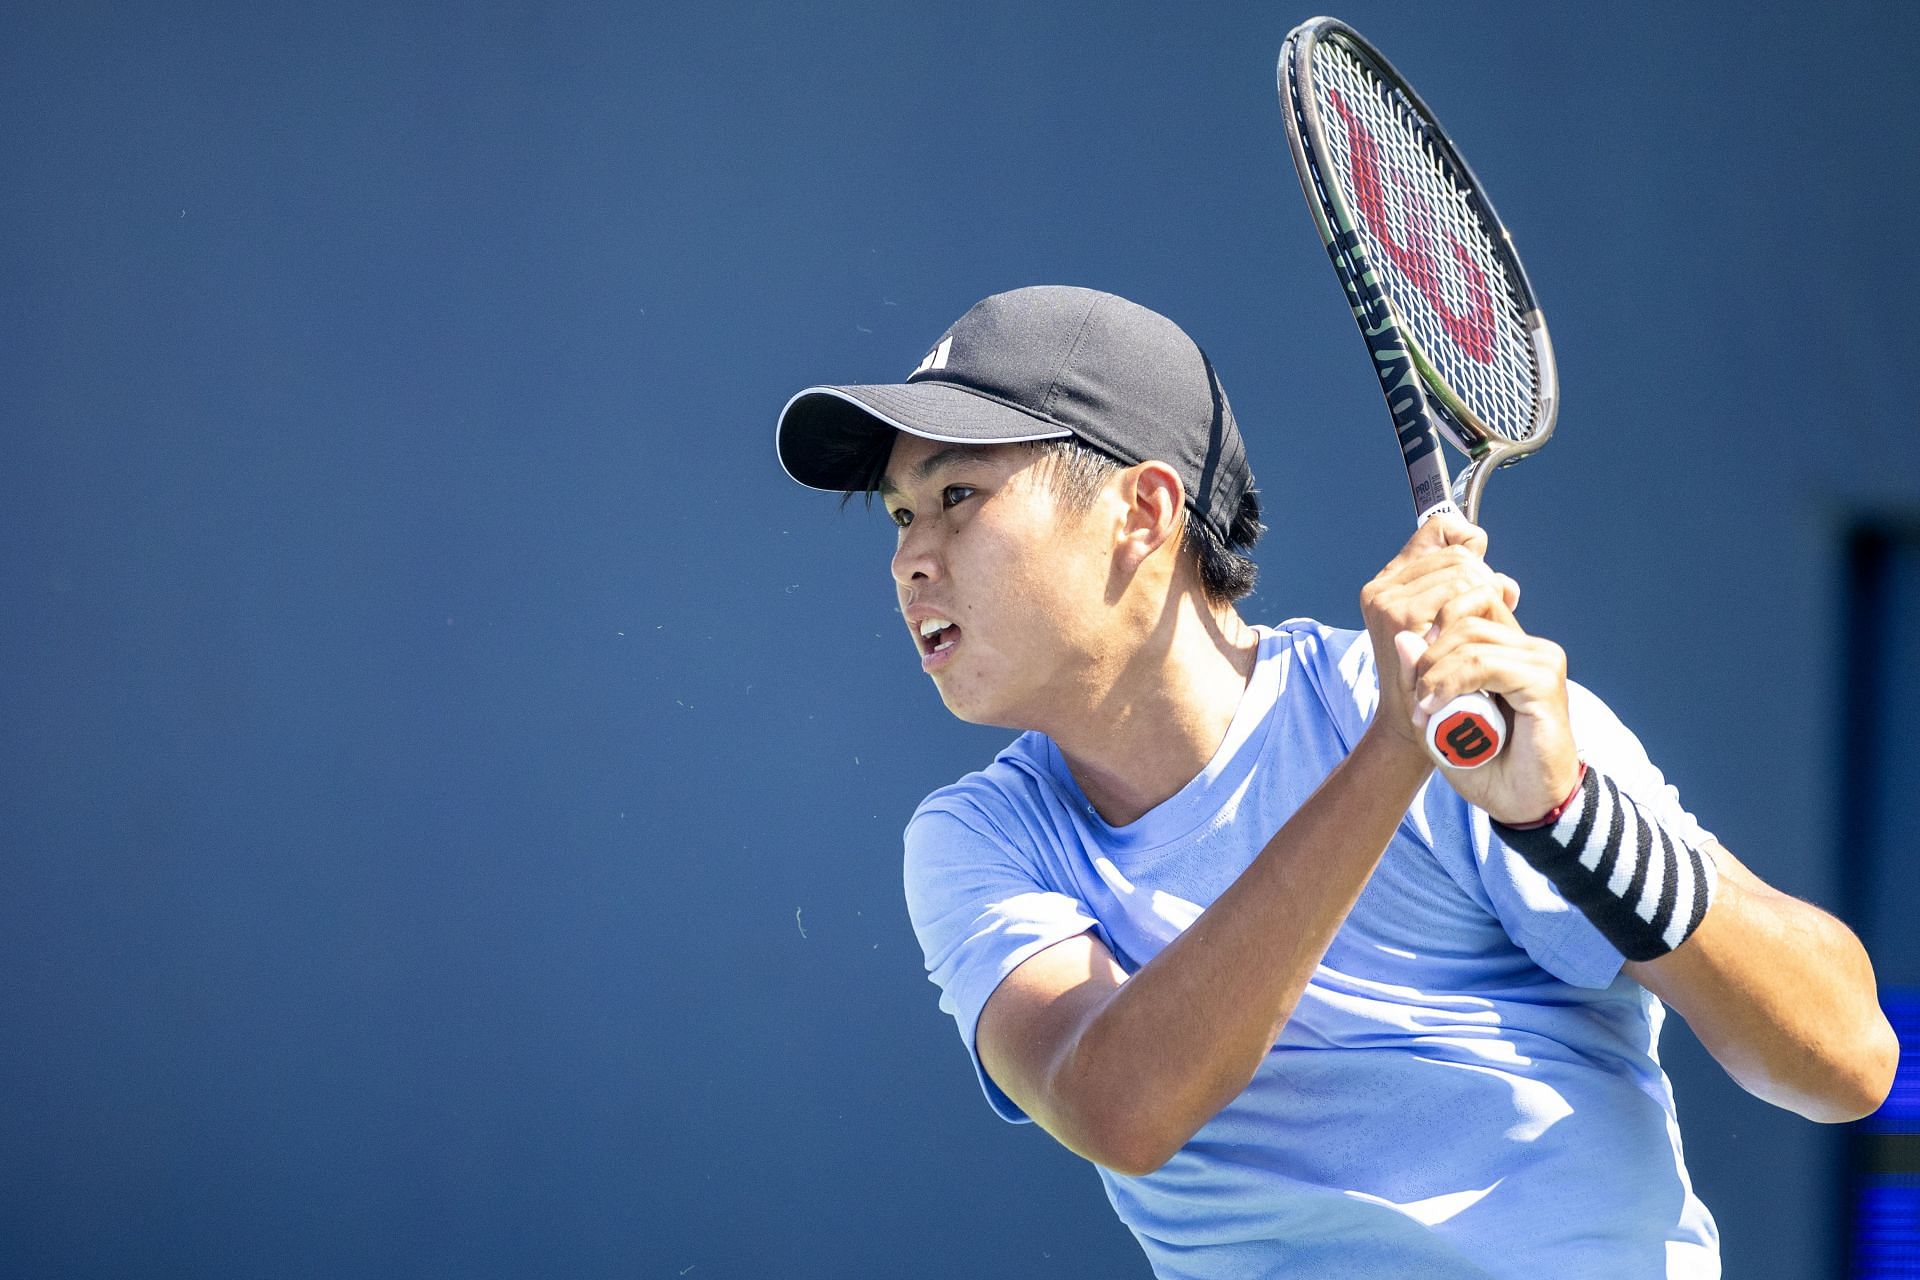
(1783, 996)
(1166, 1050)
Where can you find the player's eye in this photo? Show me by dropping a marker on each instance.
(900, 516)
(955, 494)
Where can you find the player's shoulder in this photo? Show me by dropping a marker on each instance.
(1604, 738)
(993, 817)
(1337, 662)
(999, 795)
(1607, 744)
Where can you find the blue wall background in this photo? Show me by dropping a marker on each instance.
(451, 779)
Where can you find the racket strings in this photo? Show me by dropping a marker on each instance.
(1424, 236)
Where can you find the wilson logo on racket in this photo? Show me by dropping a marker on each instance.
(1463, 740)
(1404, 401)
(1372, 176)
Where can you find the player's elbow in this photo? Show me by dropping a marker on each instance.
(1138, 1166)
(1842, 1081)
(1126, 1145)
(1110, 1124)
(1859, 1082)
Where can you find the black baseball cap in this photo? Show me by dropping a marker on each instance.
(1041, 363)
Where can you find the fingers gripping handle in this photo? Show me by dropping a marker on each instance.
(1470, 730)
(1467, 732)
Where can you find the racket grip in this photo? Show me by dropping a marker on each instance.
(1467, 732)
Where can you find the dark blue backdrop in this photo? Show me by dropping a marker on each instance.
(451, 779)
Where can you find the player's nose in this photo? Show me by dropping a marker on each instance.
(916, 559)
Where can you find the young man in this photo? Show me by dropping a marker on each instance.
(1216, 921)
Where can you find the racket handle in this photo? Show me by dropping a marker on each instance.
(1467, 732)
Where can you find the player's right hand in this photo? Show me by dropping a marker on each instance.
(1442, 564)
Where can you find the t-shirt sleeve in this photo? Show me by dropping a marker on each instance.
(979, 911)
(1557, 936)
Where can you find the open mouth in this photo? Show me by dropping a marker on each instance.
(937, 635)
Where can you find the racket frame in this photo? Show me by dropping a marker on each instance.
(1424, 407)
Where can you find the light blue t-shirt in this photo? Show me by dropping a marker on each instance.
(1469, 1086)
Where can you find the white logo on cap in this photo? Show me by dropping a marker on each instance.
(936, 358)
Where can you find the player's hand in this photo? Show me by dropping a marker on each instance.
(1442, 560)
(1474, 642)
(1442, 624)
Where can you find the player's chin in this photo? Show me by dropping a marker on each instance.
(968, 700)
(961, 704)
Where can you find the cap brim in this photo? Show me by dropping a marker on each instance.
(828, 437)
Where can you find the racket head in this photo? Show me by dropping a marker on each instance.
(1420, 248)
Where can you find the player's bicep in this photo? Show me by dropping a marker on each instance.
(1032, 1017)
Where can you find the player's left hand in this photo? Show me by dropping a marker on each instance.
(1477, 643)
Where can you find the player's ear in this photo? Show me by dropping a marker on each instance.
(1153, 497)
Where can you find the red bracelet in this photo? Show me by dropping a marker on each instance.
(1553, 814)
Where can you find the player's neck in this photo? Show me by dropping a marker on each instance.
(1152, 726)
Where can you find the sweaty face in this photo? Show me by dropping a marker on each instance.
(1001, 589)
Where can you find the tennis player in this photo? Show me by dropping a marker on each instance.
(1217, 922)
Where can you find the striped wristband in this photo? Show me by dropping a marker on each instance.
(1640, 885)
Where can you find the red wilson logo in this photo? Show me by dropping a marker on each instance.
(1375, 181)
(1463, 738)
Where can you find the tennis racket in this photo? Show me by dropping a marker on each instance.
(1456, 337)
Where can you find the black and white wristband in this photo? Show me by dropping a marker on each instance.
(1641, 885)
